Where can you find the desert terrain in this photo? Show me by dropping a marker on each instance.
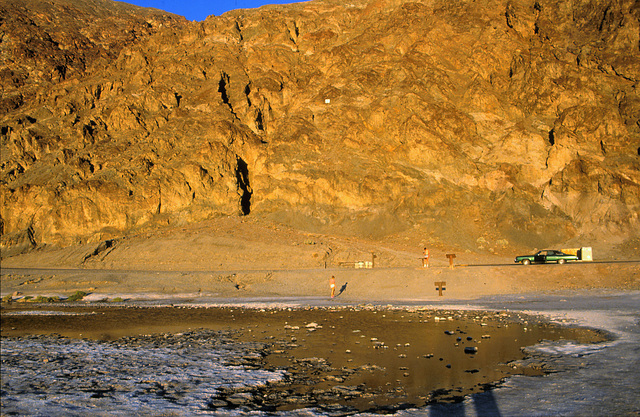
(243, 161)
(249, 257)
(243, 303)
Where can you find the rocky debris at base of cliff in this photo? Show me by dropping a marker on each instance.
(511, 121)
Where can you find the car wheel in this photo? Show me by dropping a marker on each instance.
(561, 261)
(526, 262)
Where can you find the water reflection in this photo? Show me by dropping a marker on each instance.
(378, 360)
(353, 359)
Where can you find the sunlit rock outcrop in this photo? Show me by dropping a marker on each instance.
(512, 121)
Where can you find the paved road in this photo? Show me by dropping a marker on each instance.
(58, 271)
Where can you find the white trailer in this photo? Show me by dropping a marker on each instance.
(584, 254)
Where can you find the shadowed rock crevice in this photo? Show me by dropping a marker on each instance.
(222, 89)
(31, 234)
(259, 121)
(244, 188)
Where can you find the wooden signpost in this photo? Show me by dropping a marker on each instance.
(451, 257)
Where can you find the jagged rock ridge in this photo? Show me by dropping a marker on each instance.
(468, 122)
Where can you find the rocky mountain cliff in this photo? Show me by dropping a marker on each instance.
(480, 124)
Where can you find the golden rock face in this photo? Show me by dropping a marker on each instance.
(514, 121)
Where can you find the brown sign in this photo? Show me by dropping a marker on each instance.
(451, 257)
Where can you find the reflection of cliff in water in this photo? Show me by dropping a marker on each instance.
(357, 360)
(389, 359)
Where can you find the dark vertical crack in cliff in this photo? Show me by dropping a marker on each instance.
(222, 89)
(244, 188)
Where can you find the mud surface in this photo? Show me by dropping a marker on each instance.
(199, 360)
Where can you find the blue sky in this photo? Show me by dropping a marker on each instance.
(200, 9)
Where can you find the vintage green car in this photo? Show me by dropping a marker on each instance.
(544, 256)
